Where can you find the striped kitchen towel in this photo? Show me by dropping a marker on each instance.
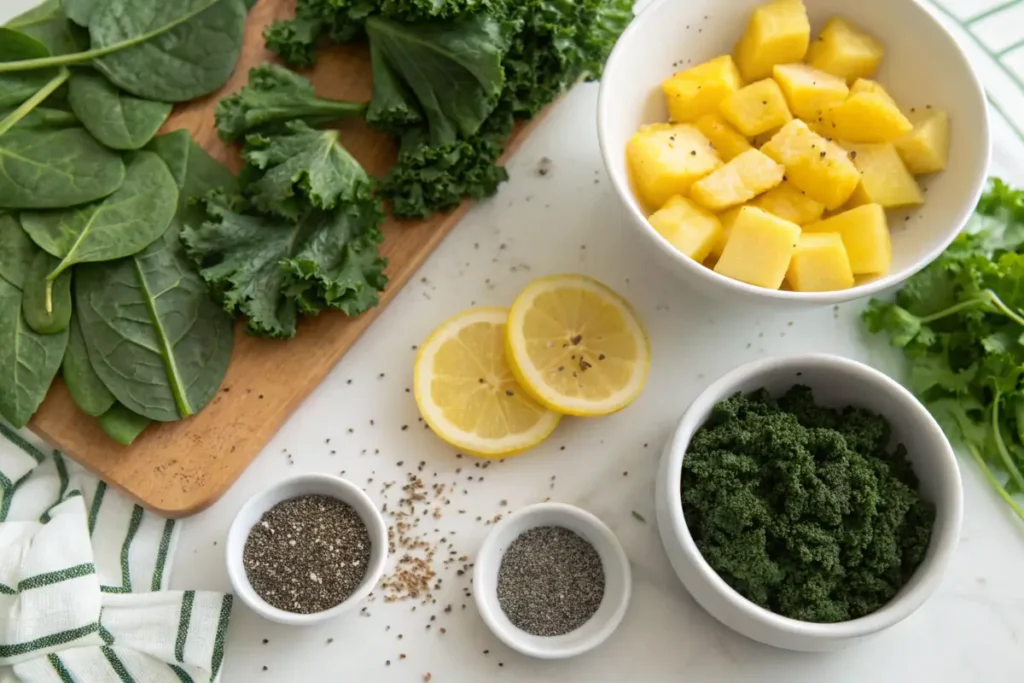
(83, 573)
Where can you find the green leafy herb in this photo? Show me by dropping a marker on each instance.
(275, 95)
(54, 169)
(122, 425)
(46, 304)
(48, 24)
(17, 252)
(124, 223)
(89, 393)
(15, 88)
(79, 11)
(25, 108)
(43, 117)
(169, 51)
(960, 323)
(269, 269)
(28, 360)
(195, 173)
(117, 120)
(154, 337)
(312, 162)
(802, 509)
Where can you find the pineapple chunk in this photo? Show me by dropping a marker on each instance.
(689, 228)
(874, 87)
(809, 90)
(759, 249)
(846, 51)
(815, 165)
(756, 108)
(884, 179)
(692, 93)
(743, 178)
(789, 202)
(866, 117)
(728, 219)
(667, 159)
(778, 33)
(926, 148)
(819, 264)
(726, 141)
(865, 235)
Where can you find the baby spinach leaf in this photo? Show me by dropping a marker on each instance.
(154, 336)
(16, 251)
(48, 24)
(122, 425)
(195, 172)
(43, 117)
(117, 120)
(25, 108)
(53, 169)
(28, 361)
(89, 393)
(312, 161)
(46, 303)
(79, 11)
(15, 88)
(268, 269)
(453, 68)
(120, 225)
(170, 51)
(275, 95)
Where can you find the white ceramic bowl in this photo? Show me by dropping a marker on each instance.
(305, 485)
(617, 586)
(836, 382)
(923, 66)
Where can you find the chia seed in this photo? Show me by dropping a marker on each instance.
(307, 554)
(550, 581)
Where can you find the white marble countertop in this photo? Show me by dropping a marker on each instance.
(569, 221)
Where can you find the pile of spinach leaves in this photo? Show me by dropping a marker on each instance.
(450, 78)
(94, 281)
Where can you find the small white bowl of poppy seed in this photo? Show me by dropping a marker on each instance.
(306, 550)
(552, 581)
(808, 502)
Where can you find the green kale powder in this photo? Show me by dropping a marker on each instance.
(802, 509)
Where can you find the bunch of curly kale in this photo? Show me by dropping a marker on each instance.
(802, 509)
(450, 78)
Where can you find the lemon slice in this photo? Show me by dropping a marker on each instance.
(467, 393)
(577, 346)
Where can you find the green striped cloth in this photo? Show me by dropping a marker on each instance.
(83, 573)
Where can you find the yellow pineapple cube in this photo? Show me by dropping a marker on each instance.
(759, 249)
(819, 264)
(689, 228)
(865, 235)
(756, 108)
(666, 159)
(743, 178)
(726, 141)
(926, 148)
(874, 87)
(809, 90)
(815, 165)
(778, 33)
(866, 117)
(791, 203)
(884, 179)
(728, 219)
(846, 51)
(692, 93)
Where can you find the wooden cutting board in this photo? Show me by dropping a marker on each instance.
(180, 468)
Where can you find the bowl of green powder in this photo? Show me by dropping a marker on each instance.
(808, 502)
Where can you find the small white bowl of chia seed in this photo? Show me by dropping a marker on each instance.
(306, 549)
(552, 581)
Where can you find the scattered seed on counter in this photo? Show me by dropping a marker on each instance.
(307, 554)
(550, 581)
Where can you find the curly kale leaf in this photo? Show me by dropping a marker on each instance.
(275, 95)
(300, 165)
(452, 70)
(295, 40)
(799, 507)
(270, 269)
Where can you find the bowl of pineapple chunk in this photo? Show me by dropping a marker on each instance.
(799, 151)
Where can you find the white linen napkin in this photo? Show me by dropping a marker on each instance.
(82, 578)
